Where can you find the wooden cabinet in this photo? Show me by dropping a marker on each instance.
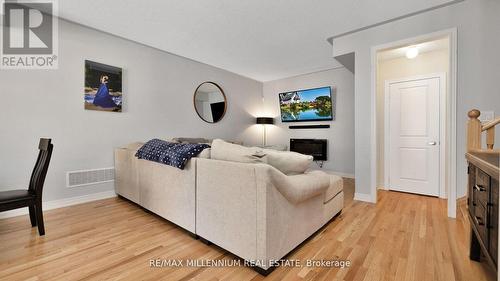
(483, 214)
(493, 229)
(482, 191)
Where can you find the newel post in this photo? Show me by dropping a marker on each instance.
(474, 130)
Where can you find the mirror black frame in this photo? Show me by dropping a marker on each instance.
(223, 94)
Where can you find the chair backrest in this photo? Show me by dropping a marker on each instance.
(41, 167)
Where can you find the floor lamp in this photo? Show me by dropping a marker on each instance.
(264, 121)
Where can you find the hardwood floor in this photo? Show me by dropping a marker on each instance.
(403, 237)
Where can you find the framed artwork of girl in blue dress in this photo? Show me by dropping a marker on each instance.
(103, 87)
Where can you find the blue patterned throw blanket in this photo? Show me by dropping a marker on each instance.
(169, 153)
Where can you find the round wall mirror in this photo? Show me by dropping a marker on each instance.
(210, 102)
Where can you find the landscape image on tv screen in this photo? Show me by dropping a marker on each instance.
(306, 105)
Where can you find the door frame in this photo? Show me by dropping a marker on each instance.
(442, 127)
(451, 113)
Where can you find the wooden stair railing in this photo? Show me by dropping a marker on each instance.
(475, 129)
(490, 132)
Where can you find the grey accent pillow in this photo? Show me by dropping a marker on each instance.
(191, 140)
(278, 147)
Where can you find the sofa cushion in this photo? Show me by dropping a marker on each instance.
(222, 150)
(336, 186)
(289, 163)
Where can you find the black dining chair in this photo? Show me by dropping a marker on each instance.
(31, 197)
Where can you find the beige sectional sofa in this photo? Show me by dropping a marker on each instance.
(252, 210)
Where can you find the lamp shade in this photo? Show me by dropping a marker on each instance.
(265, 120)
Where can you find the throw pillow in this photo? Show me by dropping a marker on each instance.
(288, 162)
(226, 151)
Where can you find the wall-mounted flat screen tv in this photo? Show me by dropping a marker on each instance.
(307, 105)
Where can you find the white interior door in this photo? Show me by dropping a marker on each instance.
(414, 136)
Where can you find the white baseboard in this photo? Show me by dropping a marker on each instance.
(55, 204)
(363, 197)
(341, 174)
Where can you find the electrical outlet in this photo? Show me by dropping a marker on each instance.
(487, 116)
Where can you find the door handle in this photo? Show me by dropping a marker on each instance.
(432, 143)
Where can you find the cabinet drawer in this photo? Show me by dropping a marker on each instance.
(482, 187)
(482, 179)
(480, 217)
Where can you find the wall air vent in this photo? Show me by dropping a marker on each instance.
(90, 177)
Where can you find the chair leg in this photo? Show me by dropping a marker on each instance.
(32, 215)
(39, 218)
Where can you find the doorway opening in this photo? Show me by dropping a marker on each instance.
(414, 108)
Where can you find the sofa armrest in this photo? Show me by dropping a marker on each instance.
(126, 177)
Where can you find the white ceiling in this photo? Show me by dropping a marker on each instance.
(261, 39)
(423, 47)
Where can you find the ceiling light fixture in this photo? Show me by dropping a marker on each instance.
(412, 52)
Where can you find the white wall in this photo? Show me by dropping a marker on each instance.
(158, 102)
(340, 135)
(477, 22)
(400, 68)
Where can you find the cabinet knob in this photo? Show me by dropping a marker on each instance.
(479, 220)
(479, 187)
